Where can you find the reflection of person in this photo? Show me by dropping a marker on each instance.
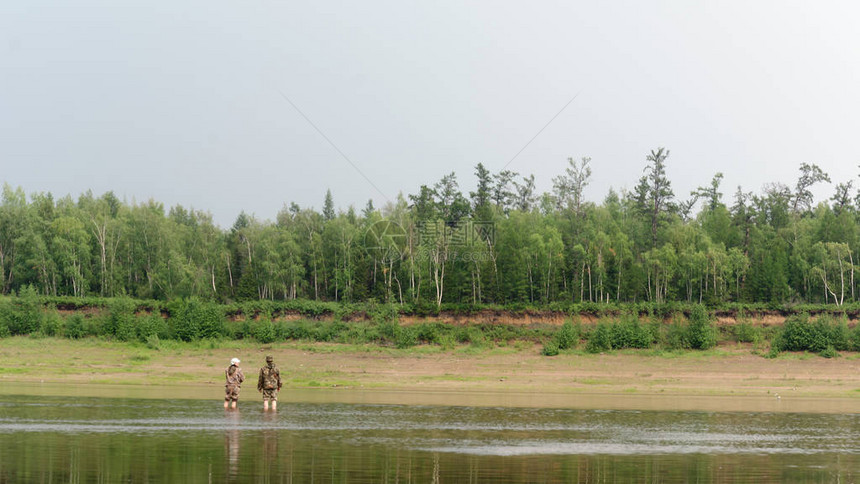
(269, 383)
(234, 382)
(231, 445)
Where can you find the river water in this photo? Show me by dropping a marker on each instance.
(87, 439)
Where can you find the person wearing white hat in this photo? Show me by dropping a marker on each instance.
(234, 382)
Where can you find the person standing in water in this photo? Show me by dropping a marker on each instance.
(234, 382)
(269, 383)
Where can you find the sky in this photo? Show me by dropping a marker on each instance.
(226, 106)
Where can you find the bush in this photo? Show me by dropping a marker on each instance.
(388, 330)
(52, 325)
(5, 317)
(840, 336)
(568, 336)
(193, 319)
(829, 352)
(701, 333)
(472, 335)
(823, 336)
(153, 342)
(152, 325)
(27, 313)
(431, 333)
(407, 337)
(550, 348)
(382, 313)
(630, 333)
(798, 334)
(75, 326)
(264, 332)
(746, 333)
(120, 321)
(600, 339)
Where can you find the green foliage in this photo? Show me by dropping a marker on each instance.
(153, 342)
(120, 322)
(746, 333)
(568, 336)
(550, 348)
(630, 333)
(75, 326)
(855, 338)
(600, 339)
(152, 325)
(264, 331)
(800, 334)
(471, 334)
(52, 324)
(407, 337)
(829, 352)
(382, 313)
(701, 333)
(192, 319)
(388, 330)
(27, 314)
(676, 336)
(432, 333)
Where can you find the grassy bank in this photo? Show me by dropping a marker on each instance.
(729, 369)
(156, 326)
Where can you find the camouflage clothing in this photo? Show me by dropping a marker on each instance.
(232, 393)
(270, 395)
(270, 381)
(234, 382)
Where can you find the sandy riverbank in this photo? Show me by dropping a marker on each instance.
(196, 371)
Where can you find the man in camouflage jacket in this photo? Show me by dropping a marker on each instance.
(234, 381)
(269, 383)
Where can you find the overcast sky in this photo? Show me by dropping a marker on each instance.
(181, 101)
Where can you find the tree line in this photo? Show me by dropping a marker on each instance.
(503, 243)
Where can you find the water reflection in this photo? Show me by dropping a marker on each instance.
(109, 440)
(231, 443)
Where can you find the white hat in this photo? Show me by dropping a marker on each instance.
(234, 361)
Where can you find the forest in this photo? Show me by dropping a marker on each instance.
(502, 244)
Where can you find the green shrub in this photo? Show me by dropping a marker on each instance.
(701, 333)
(550, 348)
(5, 317)
(52, 325)
(359, 333)
(600, 339)
(568, 336)
(407, 337)
(798, 334)
(829, 352)
(388, 330)
(153, 342)
(773, 352)
(264, 332)
(27, 312)
(151, 325)
(840, 335)
(120, 320)
(126, 328)
(630, 333)
(295, 330)
(192, 319)
(746, 333)
(75, 326)
(470, 334)
(382, 313)
(431, 333)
